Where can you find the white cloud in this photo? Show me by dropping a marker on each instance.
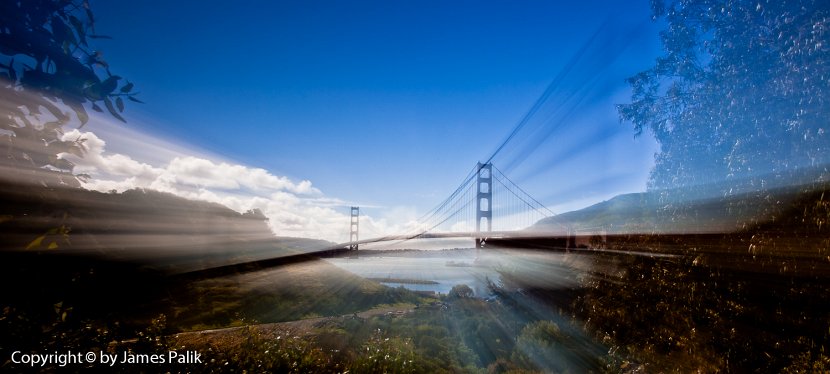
(205, 173)
(95, 162)
(293, 208)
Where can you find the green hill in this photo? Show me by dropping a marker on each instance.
(662, 212)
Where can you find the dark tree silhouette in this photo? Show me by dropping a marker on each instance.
(48, 72)
(740, 97)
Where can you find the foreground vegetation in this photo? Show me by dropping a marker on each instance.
(458, 334)
(753, 299)
(301, 291)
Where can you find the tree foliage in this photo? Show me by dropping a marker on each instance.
(48, 71)
(461, 291)
(740, 94)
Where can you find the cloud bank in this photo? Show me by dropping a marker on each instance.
(294, 208)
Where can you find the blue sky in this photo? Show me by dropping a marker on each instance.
(389, 104)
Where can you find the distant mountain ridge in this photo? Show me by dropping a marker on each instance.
(627, 210)
(652, 212)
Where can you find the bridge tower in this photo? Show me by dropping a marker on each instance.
(484, 199)
(355, 225)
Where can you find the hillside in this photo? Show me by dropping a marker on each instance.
(154, 228)
(628, 211)
(654, 212)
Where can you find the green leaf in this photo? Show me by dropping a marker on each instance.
(127, 87)
(80, 111)
(78, 108)
(96, 108)
(100, 90)
(89, 16)
(79, 28)
(109, 85)
(120, 104)
(36, 243)
(112, 110)
(132, 98)
(62, 32)
(52, 108)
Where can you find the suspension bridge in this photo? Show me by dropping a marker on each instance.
(487, 207)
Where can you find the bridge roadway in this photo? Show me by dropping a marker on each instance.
(523, 239)
(499, 235)
(717, 248)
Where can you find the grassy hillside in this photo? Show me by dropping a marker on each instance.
(623, 212)
(298, 291)
(664, 212)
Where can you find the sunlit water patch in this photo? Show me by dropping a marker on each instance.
(440, 270)
(436, 271)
